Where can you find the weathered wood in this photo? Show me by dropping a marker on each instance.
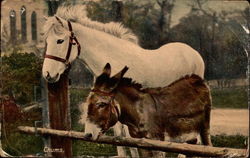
(59, 115)
(45, 115)
(188, 149)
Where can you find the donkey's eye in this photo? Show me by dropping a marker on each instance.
(60, 41)
(101, 105)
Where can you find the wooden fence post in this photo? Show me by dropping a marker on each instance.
(59, 115)
(45, 114)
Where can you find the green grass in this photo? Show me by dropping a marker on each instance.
(230, 98)
(235, 141)
(22, 144)
(93, 149)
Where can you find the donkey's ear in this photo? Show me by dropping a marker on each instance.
(120, 74)
(115, 80)
(107, 69)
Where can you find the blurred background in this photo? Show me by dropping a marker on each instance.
(218, 30)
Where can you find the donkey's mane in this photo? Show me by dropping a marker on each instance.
(191, 78)
(128, 82)
(78, 14)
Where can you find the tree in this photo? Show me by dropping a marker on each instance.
(215, 36)
(150, 24)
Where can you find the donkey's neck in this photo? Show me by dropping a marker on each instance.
(130, 103)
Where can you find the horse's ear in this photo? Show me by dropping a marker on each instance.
(120, 74)
(107, 69)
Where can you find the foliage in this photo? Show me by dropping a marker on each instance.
(230, 98)
(218, 43)
(216, 35)
(21, 72)
(16, 143)
(77, 97)
(22, 144)
(151, 25)
(237, 141)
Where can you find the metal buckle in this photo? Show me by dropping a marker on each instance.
(67, 63)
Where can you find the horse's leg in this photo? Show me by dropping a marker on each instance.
(121, 151)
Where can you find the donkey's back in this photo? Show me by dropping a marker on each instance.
(184, 107)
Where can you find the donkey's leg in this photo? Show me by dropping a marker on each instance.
(121, 151)
(157, 136)
(205, 128)
(145, 153)
(133, 151)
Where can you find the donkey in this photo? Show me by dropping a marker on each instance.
(166, 113)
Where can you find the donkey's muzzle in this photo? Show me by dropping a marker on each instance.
(88, 136)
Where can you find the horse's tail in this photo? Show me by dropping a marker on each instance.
(205, 129)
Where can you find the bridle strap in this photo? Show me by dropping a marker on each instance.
(55, 58)
(72, 38)
(70, 41)
(109, 94)
(102, 92)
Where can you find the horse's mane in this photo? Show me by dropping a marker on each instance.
(78, 14)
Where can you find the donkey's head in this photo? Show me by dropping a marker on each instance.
(102, 110)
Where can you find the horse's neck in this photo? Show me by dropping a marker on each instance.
(98, 48)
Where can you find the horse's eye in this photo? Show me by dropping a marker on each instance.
(60, 41)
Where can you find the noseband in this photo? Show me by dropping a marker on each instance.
(72, 39)
(112, 98)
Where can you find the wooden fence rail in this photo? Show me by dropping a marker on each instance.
(188, 149)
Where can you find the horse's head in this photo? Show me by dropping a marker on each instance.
(62, 48)
(102, 110)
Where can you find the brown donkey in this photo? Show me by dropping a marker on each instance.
(179, 112)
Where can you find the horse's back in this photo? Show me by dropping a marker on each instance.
(175, 60)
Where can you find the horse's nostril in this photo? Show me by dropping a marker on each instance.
(47, 76)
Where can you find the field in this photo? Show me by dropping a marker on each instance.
(229, 126)
(235, 98)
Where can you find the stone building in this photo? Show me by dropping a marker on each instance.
(22, 24)
(22, 21)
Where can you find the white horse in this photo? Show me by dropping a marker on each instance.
(112, 43)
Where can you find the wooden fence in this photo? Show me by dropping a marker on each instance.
(188, 149)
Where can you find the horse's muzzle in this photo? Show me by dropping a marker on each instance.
(51, 79)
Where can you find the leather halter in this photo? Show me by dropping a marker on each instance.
(72, 39)
(111, 95)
